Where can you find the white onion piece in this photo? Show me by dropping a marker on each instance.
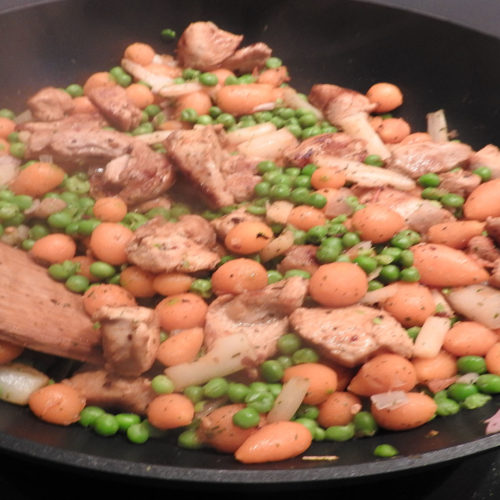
(366, 175)
(437, 126)
(277, 246)
(179, 89)
(442, 306)
(479, 303)
(18, 381)
(278, 211)
(430, 339)
(240, 135)
(380, 295)
(9, 168)
(493, 423)
(468, 378)
(228, 355)
(288, 400)
(24, 117)
(139, 72)
(270, 146)
(358, 126)
(390, 399)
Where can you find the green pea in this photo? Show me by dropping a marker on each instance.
(305, 355)
(350, 239)
(429, 179)
(106, 425)
(336, 228)
(152, 110)
(168, 34)
(285, 361)
(202, 287)
(471, 364)
(138, 433)
(316, 200)
(310, 424)
(59, 220)
(145, 128)
(208, 79)
(226, 119)
(302, 180)
(263, 116)
(308, 411)
(316, 234)
(74, 90)
(271, 370)
(273, 62)
(161, 384)
(17, 149)
(364, 424)
(215, 388)
(483, 172)
(405, 239)
(86, 226)
(432, 193)
(475, 401)
(7, 113)
(374, 160)
(385, 451)
(262, 401)
(368, 264)
(300, 195)
(488, 383)
(194, 393)
(102, 270)
(246, 418)
(374, 285)
(125, 420)
(237, 392)
(406, 258)
(189, 115)
(328, 253)
(389, 273)
(273, 276)
(77, 283)
(410, 274)
(413, 332)
(258, 386)
(307, 120)
(189, 440)
(289, 343)
(452, 200)
(61, 271)
(27, 244)
(458, 391)
(89, 414)
(285, 113)
(280, 191)
(297, 272)
(340, 432)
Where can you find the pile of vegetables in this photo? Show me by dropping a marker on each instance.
(367, 256)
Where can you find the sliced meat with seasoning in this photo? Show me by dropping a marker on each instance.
(50, 104)
(114, 392)
(130, 339)
(248, 58)
(351, 335)
(461, 182)
(116, 107)
(301, 257)
(184, 246)
(261, 315)
(225, 223)
(418, 158)
(205, 46)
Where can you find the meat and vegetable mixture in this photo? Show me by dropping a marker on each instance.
(263, 268)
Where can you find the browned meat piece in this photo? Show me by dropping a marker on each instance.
(337, 204)
(130, 339)
(419, 214)
(484, 248)
(248, 58)
(225, 223)
(76, 147)
(204, 46)
(139, 175)
(416, 159)
(50, 104)
(113, 392)
(460, 182)
(261, 315)
(184, 246)
(488, 156)
(115, 106)
(337, 144)
(198, 155)
(494, 279)
(351, 335)
(493, 228)
(240, 174)
(299, 257)
(338, 102)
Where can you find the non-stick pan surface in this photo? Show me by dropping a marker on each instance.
(353, 44)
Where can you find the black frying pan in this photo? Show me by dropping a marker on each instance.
(349, 43)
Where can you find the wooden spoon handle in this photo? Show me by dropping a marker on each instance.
(42, 314)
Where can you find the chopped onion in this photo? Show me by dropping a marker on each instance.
(477, 303)
(18, 381)
(431, 337)
(278, 212)
(277, 246)
(390, 399)
(240, 135)
(493, 423)
(294, 100)
(468, 378)
(9, 168)
(270, 146)
(288, 400)
(380, 295)
(228, 355)
(437, 127)
(24, 117)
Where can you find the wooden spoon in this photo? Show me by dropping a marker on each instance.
(41, 314)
